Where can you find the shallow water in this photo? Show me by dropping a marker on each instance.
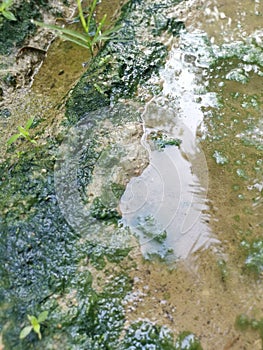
(207, 194)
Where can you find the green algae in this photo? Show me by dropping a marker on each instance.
(254, 253)
(149, 227)
(161, 140)
(41, 253)
(220, 158)
(249, 52)
(37, 263)
(118, 190)
(119, 78)
(145, 335)
(245, 323)
(40, 256)
(102, 212)
(91, 155)
(187, 341)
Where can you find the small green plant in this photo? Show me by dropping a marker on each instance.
(35, 323)
(4, 10)
(92, 36)
(23, 132)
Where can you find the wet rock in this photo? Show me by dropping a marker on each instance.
(40, 251)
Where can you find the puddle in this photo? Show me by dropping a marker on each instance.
(166, 202)
(172, 191)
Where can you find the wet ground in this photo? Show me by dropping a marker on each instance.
(184, 168)
(217, 113)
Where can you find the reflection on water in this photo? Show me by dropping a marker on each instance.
(168, 198)
(171, 192)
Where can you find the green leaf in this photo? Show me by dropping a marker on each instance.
(86, 45)
(13, 139)
(9, 15)
(43, 316)
(62, 31)
(29, 123)
(33, 320)
(81, 16)
(36, 327)
(7, 3)
(101, 24)
(25, 331)
(23, 131)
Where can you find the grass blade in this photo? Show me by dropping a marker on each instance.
(13, 139)
(25, 331)
(32, 141)
(107, 35)
(85, 44)
(101, 24)
(62, 31)
(23, 132)
(29, 123)
(113, 30)
(81, 16)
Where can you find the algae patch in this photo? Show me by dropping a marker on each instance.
(41, 256)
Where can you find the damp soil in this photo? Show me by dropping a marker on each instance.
(159, 235)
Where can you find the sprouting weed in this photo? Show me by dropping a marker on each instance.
(4, 10)
(23, 132)
(35, 323)
(93, 35)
